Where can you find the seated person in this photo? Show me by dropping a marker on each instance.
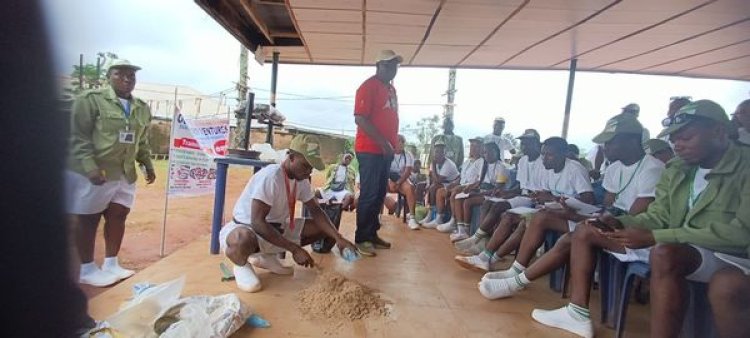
(630, 182)
(263, 223)
(419, 180)
(729, 294)
(659, 149)
(443, 174)
(575, 154)
(469, 176)
(741, 118)
(566, 178)
(530, 175)
(491, 183)
(700, 209)
(340, 178)
(399, 182)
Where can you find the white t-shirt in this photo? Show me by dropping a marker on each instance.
(631, 182)
(572, 181)
(340, 174)
(448, 170)
(267, 186)
(471, 171)
(744, 136)
(699, 184)
(501, 142)
(531, 175)
(401, 161)
(494, 172)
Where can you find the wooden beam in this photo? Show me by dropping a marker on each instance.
(286, 35)
(296, 26)
(249, 8)
(271, 2)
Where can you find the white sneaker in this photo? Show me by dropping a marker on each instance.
(246, 278)
(431, 224)
(562, 319)
(271, 263)
(427, 218)
(461, 233)
(471, 246)
(472, 263)
(502, 274)
(498, 288)
(413, 224)
(98, 278)
(118, 271)
(446, 227)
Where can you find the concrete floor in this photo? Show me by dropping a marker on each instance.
(431, 295)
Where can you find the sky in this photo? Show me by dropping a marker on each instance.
(176, 42)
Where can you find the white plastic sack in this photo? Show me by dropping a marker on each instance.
(205, 317)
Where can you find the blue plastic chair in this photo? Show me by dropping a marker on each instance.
(558, 276)
(611, 274)
(634, 269)
(475, 218)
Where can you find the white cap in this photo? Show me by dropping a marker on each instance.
(388, 55)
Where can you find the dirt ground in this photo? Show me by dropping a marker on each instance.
(188, 218)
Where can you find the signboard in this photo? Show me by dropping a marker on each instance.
(193, 145)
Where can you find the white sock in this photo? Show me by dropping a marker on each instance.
(518, 267)
(480, 233)
(578, 313)
(521, 280)
(485, 255)
(110, 262)
(88, 268)
(439, 217)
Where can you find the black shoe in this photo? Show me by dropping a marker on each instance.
(379, 243)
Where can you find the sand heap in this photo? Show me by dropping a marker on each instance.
(336, 299)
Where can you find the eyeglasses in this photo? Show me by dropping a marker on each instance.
(677, 119)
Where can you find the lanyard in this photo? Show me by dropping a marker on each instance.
(127, 112)
(630, 180)
(291, 198)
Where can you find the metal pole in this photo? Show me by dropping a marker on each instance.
(569, 97)
(274, 79)
(169, 176)
(451, 93)
(80, 72)
(248, 116)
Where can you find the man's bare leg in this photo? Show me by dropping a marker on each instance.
(729, 293)
(670, 264)
(534, 236)
(114, 228)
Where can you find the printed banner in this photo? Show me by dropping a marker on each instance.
(194, 144)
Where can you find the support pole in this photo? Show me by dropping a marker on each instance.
(451, 93)
(274, 79)
(569, 97)
(248, 117)
(162, 245)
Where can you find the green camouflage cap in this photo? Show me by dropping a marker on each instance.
(122, 63)
(656, 145)
(704, 108)
(309, 147)
(620, 124)
(530, 133)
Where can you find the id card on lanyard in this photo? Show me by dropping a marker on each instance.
(126, 136)
(291, 198)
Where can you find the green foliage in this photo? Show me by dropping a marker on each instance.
(425, 130)
(94, 74)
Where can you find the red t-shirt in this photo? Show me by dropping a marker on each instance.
(376, 101)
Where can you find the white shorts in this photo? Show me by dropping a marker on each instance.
(84, 198)
(338, 195)
(294, 236)
(520, 201)
(633, 255)
(710, 264)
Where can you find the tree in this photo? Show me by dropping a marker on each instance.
(94, 74)
(425, 130)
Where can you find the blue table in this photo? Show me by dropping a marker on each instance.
(222, 166)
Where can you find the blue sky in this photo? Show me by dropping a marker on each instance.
(177, 43)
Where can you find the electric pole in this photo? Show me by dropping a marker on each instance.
(450, 93)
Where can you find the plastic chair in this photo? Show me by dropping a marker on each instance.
(556, 277)
(475, 218)
(634, 269)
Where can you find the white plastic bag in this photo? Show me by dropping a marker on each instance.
(204, 317)
(136, 317)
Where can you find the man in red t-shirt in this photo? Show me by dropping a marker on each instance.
(376, 115)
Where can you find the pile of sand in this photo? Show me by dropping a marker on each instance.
(336, 299)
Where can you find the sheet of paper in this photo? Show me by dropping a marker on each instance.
(462, 195)
(581, 207)
(523, 210)
(495, 199)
